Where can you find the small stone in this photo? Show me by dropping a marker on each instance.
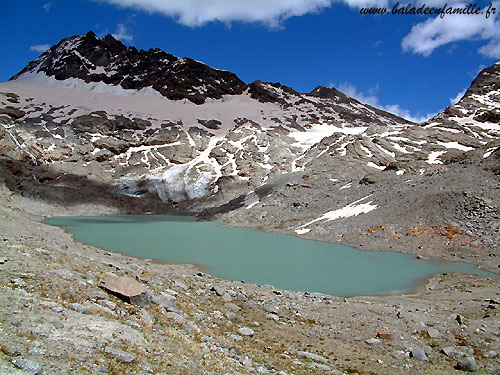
(448, 351)
(29, 367)
(399, 354)
(218, 290)
(419, 355)
(385, 335)
(170, 292)
(245, 361)
(5, 350)
(121, 355)
(491, 354)
(273, 317)
(321, 366)
(232, 307)
(146, 318)
(433, 333)
(79, 308)
(37, 351)
(373, 341)
(18, 282)
(64, 274)
(147, 367)
(467, 364)
(99, 294)
(110, 305)
(226, 297)
(180, 284)
(171, 306)
(245, 331)
(312, 356)
(468, 350)
(133, 324)
(272, 309)
(178, 318)
(98, 309)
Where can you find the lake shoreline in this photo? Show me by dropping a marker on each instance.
(46, 276)
(87, 230)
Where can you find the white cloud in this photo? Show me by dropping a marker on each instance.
(39, 47)
(199, 12)
(457, 97)
(366, 3)
(492, 49)
(374, 101)
(47, 6)
(426, 36)
(122, 33)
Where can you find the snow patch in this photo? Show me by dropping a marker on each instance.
(433, 157)
(353, 209)
(346, 186)
(489, 152)
(373, 165)
(302, 231)
(313, 135)
(456, 145)
(79, 84)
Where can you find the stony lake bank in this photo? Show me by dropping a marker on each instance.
(57, 319)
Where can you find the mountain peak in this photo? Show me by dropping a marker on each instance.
(108, 60)
(328, 93)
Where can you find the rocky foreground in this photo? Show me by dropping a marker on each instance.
(57, 319)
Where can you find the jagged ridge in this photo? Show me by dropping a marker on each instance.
(109, 61)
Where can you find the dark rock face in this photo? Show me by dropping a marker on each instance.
(480, 102)
(266, 92)
(340, 98)
(109, 61)
(210, 124)
(329, 93)
(486, 81)
(98, 122)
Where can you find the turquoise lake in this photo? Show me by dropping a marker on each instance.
(285, 261)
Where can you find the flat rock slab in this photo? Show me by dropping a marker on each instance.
(120, 355)
(245, 331)
(126, 289)
(29, 367)
(419, 355)
(312, 356)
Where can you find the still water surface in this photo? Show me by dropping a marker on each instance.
(285, 261)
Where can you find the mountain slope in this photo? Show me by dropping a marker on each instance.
(100, 103)
(157, 131)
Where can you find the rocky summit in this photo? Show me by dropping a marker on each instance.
(94, 127)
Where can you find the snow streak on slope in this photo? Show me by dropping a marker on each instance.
(353, 209)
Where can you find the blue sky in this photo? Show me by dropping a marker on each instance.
(411, 65)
